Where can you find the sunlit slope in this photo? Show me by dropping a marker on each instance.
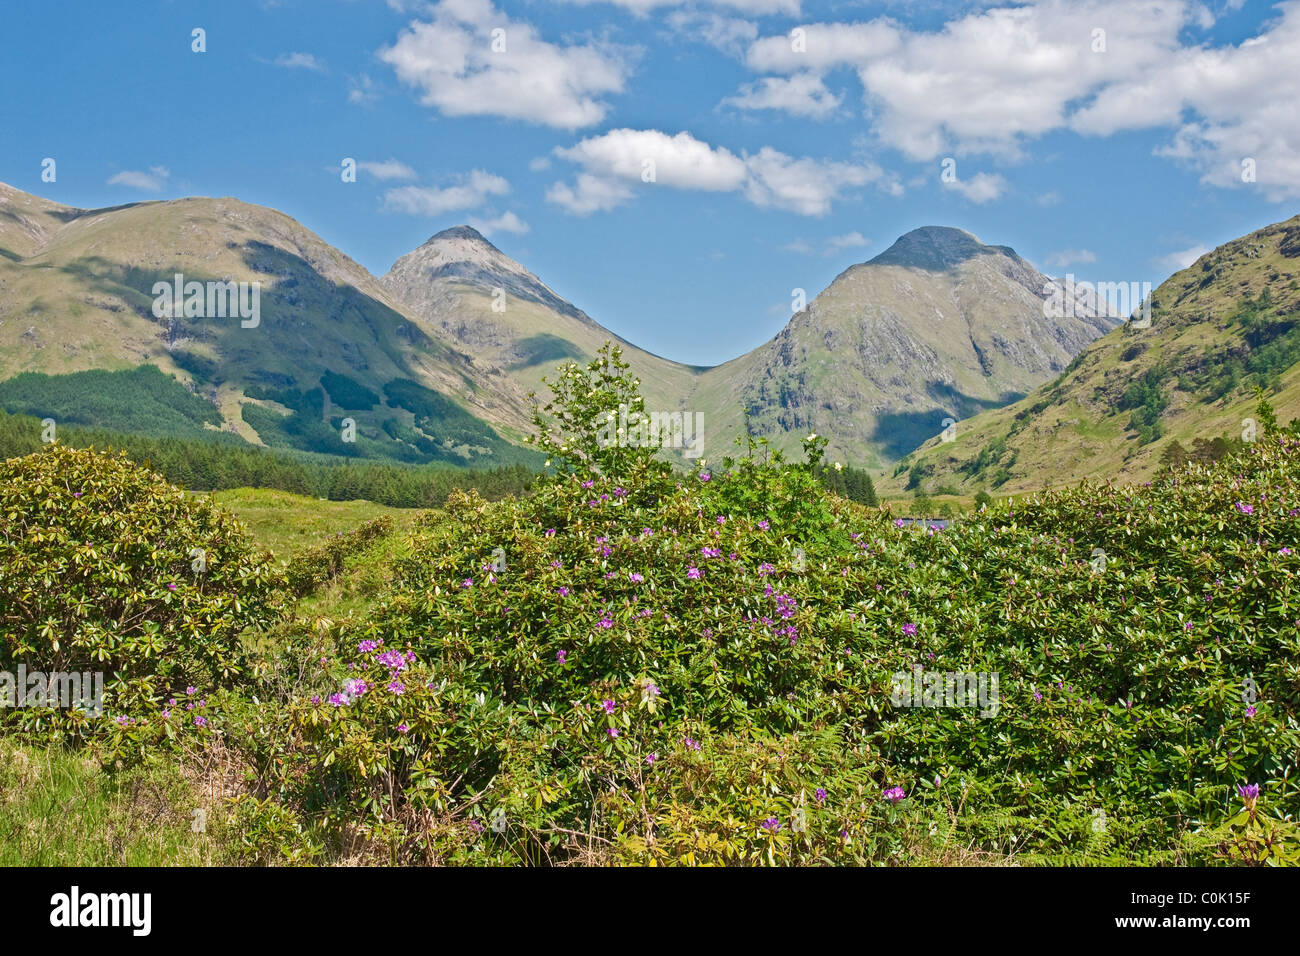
(1218, 327)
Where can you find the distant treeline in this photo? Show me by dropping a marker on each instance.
(215, 465)
(849, 482)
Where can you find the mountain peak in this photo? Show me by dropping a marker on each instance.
(459, 232)
(462, 255)
(936, 249)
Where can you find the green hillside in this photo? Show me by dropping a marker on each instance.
(626, 667)
(77, 293)
(1221, 327)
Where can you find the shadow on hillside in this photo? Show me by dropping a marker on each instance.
(902, 432)
(303, 316)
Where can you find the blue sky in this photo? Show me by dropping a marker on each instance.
(779, 157)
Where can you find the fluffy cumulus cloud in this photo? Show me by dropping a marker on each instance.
(731, 35)
(151, 181)
(614, 165)
(992, 80)
(804, 94)
(831, 246)
(462, 68)
(806, 186)
(680, 161)
(588, 194)
(387, 169)
(980, 188)
(849, 240)
(300, 61)
(1071, 257)
(756, 8)
(362, 90)
(824, 46)
(506, 222)
(468, 192)
(1183, 258)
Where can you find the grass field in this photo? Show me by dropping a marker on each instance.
(288, 524)
(60, 809)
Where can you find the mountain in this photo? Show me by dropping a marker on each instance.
(490, 306)
(1226, 323)
(433, 361)
(937, 326)
(77, 293)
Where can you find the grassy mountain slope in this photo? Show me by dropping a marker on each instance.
(1229, 321)
(450, 283)
(76, 294)
(939, 325)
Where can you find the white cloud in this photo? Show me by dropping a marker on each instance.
(980, 188)
(1051, 198)
(823, 46)
(300, 61)
(616, 163)
(992, 80)
(362, 90)
(756, 8)
(451, 61)
(829, 247)
(539, 164)
(152, 182)
(804, 94)
(731, 35)
(850, 240)
(472, 190)
(1069, 257)
(1228, 105)
(805, 186)
(1183, 258)
(588, 194)
(387, 169)
(506, 222)
(680, 161)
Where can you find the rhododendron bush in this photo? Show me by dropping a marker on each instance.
(640, 664)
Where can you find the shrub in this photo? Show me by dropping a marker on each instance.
(698, 669)
(105, 567)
